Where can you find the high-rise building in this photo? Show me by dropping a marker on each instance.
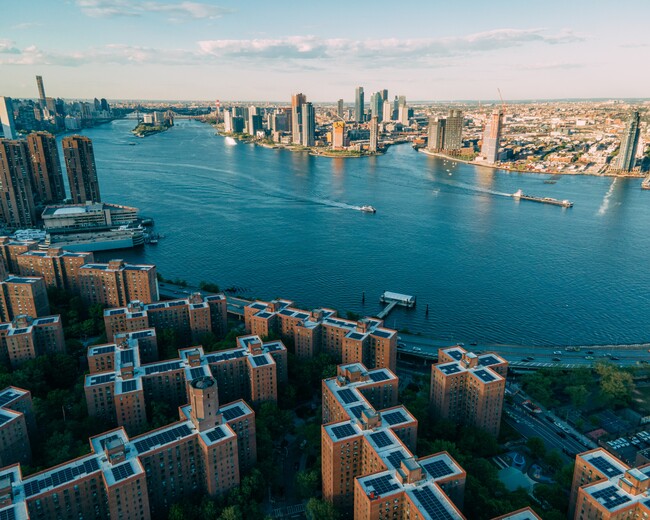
(396, 108)
(17, 424)
(308, 124)
(359, 105)
(491, 137)
(251, 371)
(384, 95)
(454, 131)
(58, 268)
(468, 389)
(297, 101)
(338, 135)
(17, 207)
(365, 341)
(604, 488)
(7, 118)
(436, 134)
(41, 89)
(116, 283)
(376, 106)
(190, 318)
(629, 141)
(204, 452)
(339, 108)
(47, 177)
(374, 134)
(11, 248)
(80, 165)
(23, 295)
(403, 114)
(26, 338)
(387, 111)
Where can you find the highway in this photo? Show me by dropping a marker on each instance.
(527, 357)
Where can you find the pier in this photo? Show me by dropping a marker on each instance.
(645, 185)
(394, 299)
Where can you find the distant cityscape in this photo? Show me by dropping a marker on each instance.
(218, 406)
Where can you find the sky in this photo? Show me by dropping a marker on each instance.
(268, 49)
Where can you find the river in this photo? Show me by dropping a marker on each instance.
(490, 269)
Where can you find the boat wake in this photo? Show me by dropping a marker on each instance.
(604, 206)
(471, 187)
(230, 141)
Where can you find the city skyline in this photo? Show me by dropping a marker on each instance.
(443, 52)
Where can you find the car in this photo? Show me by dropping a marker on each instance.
(417, 349)
(561, 434)
(556, 359)
(473, 343)
(590, 352)
(614, 358)
(557, 352)
(589, 357)
(401, 345)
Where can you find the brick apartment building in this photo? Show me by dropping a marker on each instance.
(139, 478)
(366, 341)
(23, 295)
(57, 267)
(17, 423)
(26, 338)
(468, 389)
(119, 386)
(117, 283)
(605, 488)
(368, 467)
(189, 318)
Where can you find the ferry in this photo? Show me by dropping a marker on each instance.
(368, 209)
(520, 195)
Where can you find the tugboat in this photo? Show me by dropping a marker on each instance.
(368, 209)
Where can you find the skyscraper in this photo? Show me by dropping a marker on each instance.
(454, 131)
(47, 178)
(339, 108)
(17, 202)
(376, 105)
(436, 134)
(629, 142)
(359, 103)
(387, 111)
(338, 134)
(297, 101)
(491, 136)
(308, 124)
(80, 165)
(384, 94)
(403, 114)
(7, 118)
(374, 134)
(41, 90)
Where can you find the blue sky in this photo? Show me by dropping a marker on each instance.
(265, 50)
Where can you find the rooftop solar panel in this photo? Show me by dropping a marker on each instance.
(382, 333)
(437, 468)
(8, 514)
(455, 354)
(381, 439)
(602, 464)
(126, 356)
(116, 311)
(164, 437)
(379, 376)
(488, 360)
(129, 386)
(432, 504)
(104, 350)
(260, 360)
(165, 367)
(395, 458)
(484, 376)
(45, 321)
(449, 369)
(197, 372)
(395, 417)
(611, 497)
(347, 396)
(382, 485)
(233, 413)
(122, 471)
(4, 418)
(61, 476)
(216, 434)
(342, 431)
(7, 396)
(100, 380)
(356, 410)
(355, 335)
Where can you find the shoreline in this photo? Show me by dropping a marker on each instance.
(513, 170)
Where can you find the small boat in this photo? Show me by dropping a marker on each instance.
(153, 241)
(368, 209)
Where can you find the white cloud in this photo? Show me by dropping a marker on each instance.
(8, 47)
(110, 8)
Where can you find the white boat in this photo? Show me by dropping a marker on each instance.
(368, 209)
(230, 141)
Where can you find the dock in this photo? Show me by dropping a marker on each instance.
(645, 185)
(393, 299)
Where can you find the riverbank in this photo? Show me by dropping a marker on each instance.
(516, 170)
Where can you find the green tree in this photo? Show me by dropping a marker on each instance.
(537, 447)
(307, 483)
(320, 510)
(578, 395)
(616, 385)
(231, 513)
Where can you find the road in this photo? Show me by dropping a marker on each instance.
(539, 356)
